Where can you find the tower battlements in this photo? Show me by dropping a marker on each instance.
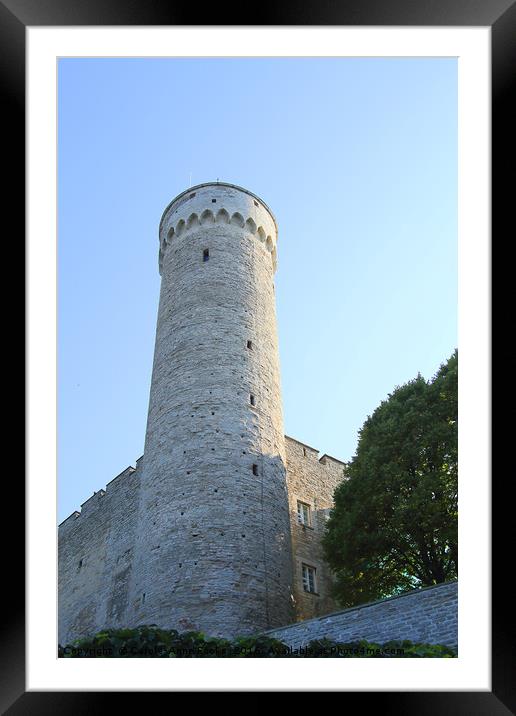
(94, 502)
(217, 203)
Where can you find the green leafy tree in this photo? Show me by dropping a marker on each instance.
(394, 524)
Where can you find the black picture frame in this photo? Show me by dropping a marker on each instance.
(500, 16)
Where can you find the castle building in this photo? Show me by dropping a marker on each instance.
(218, 526)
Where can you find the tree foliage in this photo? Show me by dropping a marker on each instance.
(394, 524)
(153, 642)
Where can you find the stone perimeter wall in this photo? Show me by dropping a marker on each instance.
(426, 615)
(95, 565)
(96, 545)
(96, 562)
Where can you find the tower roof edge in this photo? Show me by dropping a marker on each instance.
(217, 183)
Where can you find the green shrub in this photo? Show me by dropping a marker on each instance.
(151, 641)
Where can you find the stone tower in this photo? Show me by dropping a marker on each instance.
(213, 545)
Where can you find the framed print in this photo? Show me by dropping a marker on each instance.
(361, 121)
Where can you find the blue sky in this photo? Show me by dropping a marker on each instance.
(357, 158)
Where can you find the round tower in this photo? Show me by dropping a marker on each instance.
(213, 551)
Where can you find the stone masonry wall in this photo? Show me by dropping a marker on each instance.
(426, 615)
(95, 555)
(96, 546)
(200, 535)
(311, 480)
(213, 549)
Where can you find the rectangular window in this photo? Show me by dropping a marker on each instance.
(309, 578)
(250, 345)
(255, 469)
(252, 399)
(206, 255)
(304, 514)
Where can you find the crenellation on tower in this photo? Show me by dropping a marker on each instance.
(218, 205)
